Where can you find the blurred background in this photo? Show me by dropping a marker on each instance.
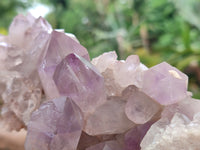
(156, 30)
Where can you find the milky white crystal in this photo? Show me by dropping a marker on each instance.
(178, 133)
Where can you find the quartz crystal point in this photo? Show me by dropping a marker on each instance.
(108, 145)
(23, 29)
(60, 45)
(28, 37)
(165, 84)
(178, 133)
(77, 78)
(140, 108)
(119, 74)
(108, 118)
(56, 125)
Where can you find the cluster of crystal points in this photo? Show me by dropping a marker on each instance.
(49, 86)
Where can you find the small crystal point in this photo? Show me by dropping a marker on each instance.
(56, 125)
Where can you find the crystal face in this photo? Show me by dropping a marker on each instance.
(160, 80)
(140, 108)
(49, 87)
(77, 78)
(108, 118)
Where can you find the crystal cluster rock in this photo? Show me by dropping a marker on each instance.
(49, 86)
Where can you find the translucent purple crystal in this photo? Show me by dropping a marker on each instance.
(56, 125)
(60, 45)
(77, 78)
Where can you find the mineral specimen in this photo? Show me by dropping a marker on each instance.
(49, 86)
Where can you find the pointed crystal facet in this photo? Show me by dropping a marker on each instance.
(56, 125)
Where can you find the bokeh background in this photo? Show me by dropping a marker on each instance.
(156, 30)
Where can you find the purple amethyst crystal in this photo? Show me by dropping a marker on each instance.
(60, 45)
(56, 125)
(77, 78)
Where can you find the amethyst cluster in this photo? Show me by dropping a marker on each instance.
(49, 86)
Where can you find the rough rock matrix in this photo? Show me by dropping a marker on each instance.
(49, 86)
